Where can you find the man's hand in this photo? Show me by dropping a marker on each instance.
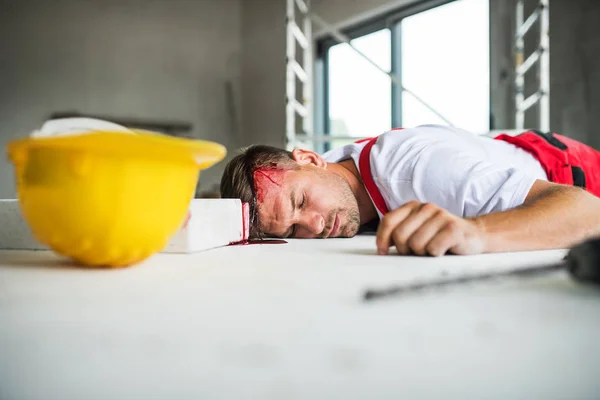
(426, 229)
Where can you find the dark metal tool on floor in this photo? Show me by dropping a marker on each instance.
(582, 262)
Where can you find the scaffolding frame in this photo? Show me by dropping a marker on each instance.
(540, 56)
(299, 33)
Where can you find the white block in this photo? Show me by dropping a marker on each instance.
(211, 223)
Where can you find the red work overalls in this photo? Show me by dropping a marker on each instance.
(565, 160)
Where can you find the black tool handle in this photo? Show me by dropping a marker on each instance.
(583, 261)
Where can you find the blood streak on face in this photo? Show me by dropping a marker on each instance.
(267, 179)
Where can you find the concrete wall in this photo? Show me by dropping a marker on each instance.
(574, 67)
(263, 72)
(158, 59)
(502, 23)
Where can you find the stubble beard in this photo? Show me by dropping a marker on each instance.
(350, 210)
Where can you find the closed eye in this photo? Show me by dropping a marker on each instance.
(300, 206)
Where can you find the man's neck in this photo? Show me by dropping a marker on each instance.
(348, 171)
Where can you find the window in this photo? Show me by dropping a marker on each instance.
(360, 99)
(445, 61)
(440, 54)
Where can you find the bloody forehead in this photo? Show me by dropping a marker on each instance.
(267, 179)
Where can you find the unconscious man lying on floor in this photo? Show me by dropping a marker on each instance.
(433, 189)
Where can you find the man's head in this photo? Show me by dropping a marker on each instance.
(291, 194)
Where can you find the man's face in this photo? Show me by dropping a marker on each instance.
(310, 202)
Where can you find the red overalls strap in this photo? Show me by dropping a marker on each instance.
(566, 161)
(364, 166)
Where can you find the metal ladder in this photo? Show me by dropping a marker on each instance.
(542, 56)
(299, 32)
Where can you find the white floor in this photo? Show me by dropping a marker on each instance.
(288, 322)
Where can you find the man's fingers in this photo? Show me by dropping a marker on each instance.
(402, 235)
(424, 228)
(387, 225)
(404, 229)
(396, 228)
(426, 232)
(400, 243)
(447, 238)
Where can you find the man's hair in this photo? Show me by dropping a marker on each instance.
(237, 181)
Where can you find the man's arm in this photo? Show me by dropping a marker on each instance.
(552, 216)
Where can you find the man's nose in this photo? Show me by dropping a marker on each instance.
(315, 223)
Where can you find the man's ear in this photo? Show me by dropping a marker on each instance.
(307, 157)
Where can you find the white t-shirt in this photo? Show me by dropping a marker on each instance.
(466, 174)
